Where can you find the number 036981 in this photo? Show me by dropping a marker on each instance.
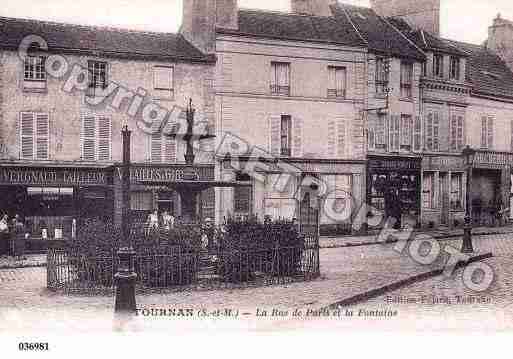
(33, 346)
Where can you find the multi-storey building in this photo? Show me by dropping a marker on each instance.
(62, 112)
(292, 88)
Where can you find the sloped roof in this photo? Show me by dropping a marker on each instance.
(108, 41)
(486, 71)
(296, 27)
(380, 35)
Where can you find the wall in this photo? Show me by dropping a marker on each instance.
(190, 81)
(500, 40)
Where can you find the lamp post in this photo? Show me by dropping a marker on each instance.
(125, 217)
(468, 155)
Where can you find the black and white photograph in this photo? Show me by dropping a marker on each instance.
(254, 166)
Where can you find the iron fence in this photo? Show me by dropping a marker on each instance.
(175, 269)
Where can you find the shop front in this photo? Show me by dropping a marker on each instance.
(54, 201)
(393, 188)
(183, 191)
(444, 179)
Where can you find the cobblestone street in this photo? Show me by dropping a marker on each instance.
(26, 304)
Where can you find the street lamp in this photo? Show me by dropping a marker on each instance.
(468, 156)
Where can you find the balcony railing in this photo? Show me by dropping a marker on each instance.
(280, 90)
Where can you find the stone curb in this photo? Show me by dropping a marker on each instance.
(442, 236)
(374, 293)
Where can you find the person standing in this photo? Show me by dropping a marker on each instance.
(4, 235)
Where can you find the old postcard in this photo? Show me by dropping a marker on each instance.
(255, 166)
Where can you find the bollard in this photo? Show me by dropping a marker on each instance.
(125, 282)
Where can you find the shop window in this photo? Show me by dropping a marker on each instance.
(96, 138)
(141, 201)
(428, 191)
(337, 82)
(457, 133)
(406, 132)
(487, 133)
(457, 191)
(163, 149)
(438, 65)
(382, 72)
(433, 131)
(406, 80)
(243, 195)
(280, 78)
(97, 76)
(34, 136)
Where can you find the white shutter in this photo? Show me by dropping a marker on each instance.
(460, 142)
(484, 136)
(332, 139)
(341, 137)
(104, 139)
(429, 131)
(156, 147)
(436, 132)
(88, 138)
(454, 133)
(274, 135)
(297, 137)
(417, 134)
(42, 134)
(169, 149)
(27, 135)
(490, 133)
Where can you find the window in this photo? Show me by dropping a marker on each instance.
(162, 148)
(338, 197)
(34, 73)
(163, 80)
(406, 132)
(457, 133)
(424, 69)
(141, 201)
(457, 191)
(97, 76)
(433, 132)
(382, 71)
(96, 138)
(487, 133)
(34, 135)
(280, 78)
(395, 131)
(243, 195)
(417, 134)
(406, 79)
(428, 191)
(286, 135)
(337, 82)
(455, 68)
(377, 132)
(438, 66)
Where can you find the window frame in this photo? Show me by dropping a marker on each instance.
(432, 201)
(155, 78)
(35, 137)
(454, 67)
(406, 82)
(335, 92)
(92, 81)
(286, 135)
(438, 65)
(382, 76)
(97, 137)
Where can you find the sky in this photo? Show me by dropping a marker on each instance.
(463, 20)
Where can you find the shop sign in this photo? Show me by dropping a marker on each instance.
(52, 176)
(169, 174)
(394, 164)
(493, 159)
(443, 163)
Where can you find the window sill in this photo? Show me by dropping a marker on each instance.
(406, 99)
(35, 90)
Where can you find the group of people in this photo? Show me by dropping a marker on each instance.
(8, 229)
(156, 221)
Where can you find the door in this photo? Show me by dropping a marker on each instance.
(309, 216)
(444, 198)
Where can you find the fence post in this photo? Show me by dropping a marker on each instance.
(125, 282)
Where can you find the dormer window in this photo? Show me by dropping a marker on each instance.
(438, 66)
(455, 68)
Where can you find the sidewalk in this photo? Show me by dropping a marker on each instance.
(354, 241)
(26, 261)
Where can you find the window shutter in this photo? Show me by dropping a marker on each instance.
(274, 135)
(380, 130)
(454, 132)
(42, 134)
(156, 147)
(436, 132)
(332, 139)
(341, 137)
(27, 135)
(169, 150)
(104, 139)
(371, 132)
(429, 131)
(484, 136)
(394, 132)
(490, 133)
(297, 137)
(405, 131)
(460, 142)
(417, 134)
(88, 138)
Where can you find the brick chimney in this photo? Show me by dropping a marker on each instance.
(312, 7)
(420, 14)
(201, 17)
(500, 39)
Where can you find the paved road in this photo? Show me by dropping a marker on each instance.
(26, 304)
